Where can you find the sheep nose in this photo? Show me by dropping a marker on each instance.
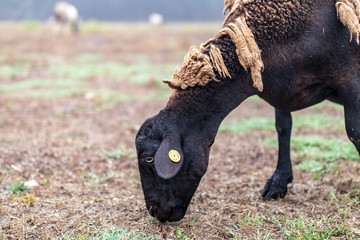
(176, 215)
(162, 214)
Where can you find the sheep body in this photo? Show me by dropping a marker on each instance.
(66, 18)
(307, 58)
(156, 19)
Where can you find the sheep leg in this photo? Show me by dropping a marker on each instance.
(276, 185)
(352, 120)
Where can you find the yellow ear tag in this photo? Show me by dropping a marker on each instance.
(174, 156)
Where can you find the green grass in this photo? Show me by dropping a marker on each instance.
(52, 93)
(97, 182)
(40, 83)
(2, 59)
(89, 58)
(254, 98)
(180, 234)
(115, 154)
(44, 88)
(318, 154)
(245, 126)
(20, 69)
(98, 27)
(112, 97)
(292, 228)
(105, 234)
(30, 26)
(318, 148)
(317, 121)
(18, 188)
(328, 105)
(100, 179)
(135, 73)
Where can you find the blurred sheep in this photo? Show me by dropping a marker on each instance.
(156, 19)
(65, 19)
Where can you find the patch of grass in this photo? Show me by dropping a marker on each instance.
(311, 166)
(29, 26)
(247, 125)
(318, 148)
(97, 233)
(180, 234)
(113, 233)
(318, 154)
(18, 70)
(86, 71)
(317, 121)
(39, 83)
(44, 88)
(164, 95)
(115, 154)
(353, 197)
(112, 97)
(328, 105)
(254, 98)
(28, 200)
(99, 180)
(18, 188)
(52, 93)
(98, 27)
(300, 228)
(291, 228)
(89, 58)
(135, 73)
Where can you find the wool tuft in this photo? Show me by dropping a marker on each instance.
(348, 12)
(247, 50)
(218, 62)
(196, 70)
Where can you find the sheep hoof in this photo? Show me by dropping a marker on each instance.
(276, 186)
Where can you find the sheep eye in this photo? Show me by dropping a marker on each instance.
(148, 159)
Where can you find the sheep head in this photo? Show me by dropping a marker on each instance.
(171, 163)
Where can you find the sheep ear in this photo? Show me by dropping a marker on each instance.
(169, 157)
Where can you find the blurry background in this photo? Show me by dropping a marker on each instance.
(117, 10)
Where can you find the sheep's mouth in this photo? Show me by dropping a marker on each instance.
(167, 214)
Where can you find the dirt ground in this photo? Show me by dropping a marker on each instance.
(57, 145)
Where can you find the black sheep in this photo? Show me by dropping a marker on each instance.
(306, 57)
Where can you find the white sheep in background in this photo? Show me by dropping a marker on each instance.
(65, 18)
(156, 19)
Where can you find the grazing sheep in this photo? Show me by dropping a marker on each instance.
(293, 54)
(156, 19)
(66, 18)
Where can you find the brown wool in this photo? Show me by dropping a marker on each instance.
(218, 62)
(247, 50)
(196, 70)
(231, 5)
(349, 14)
(355, 6)
(204, 46)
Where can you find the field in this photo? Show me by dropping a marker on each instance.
(70, 107)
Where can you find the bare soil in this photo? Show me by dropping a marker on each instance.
(56, 145)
